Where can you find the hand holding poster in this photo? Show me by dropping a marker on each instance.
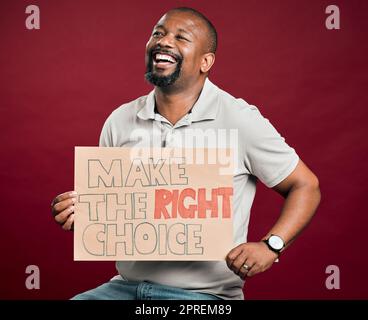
(167, 204)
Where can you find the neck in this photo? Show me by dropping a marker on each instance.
(174, 104)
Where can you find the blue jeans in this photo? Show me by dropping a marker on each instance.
(135, 290)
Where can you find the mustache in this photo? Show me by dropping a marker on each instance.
(155, 50)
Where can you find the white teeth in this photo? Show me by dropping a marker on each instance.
(166, 57)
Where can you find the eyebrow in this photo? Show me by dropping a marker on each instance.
(185, 31)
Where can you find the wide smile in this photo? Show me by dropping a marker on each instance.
(163, 60)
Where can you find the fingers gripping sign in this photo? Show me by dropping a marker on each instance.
(62, 208)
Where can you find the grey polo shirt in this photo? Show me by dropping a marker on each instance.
(216, 120)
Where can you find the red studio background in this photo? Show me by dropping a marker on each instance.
(58, 84)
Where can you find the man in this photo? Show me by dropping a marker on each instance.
(179, 56)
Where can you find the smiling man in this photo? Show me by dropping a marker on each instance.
(179, 56)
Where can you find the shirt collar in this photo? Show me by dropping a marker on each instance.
(205, 108)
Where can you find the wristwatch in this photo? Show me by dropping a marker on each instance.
(275, 243)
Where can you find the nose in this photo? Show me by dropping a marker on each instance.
(165, 41)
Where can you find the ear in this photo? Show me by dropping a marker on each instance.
(208, 60)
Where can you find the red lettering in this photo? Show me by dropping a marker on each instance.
(162, 199)
(190, 211)
(226, 193)
(204, 205)
(176, 200)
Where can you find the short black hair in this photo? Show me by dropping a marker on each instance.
(212, 33)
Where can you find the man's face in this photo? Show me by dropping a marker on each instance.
(175, 49)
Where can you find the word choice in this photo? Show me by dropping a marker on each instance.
(101, 239)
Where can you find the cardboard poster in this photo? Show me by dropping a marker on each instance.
(153, 204)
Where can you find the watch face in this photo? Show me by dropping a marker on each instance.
(276, 242)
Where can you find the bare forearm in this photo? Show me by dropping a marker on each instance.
(299, 207)
(302, 196)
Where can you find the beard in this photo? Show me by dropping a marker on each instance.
(162, 81)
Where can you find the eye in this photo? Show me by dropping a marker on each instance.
(180, 37)
(157, 34)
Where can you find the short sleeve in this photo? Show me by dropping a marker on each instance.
(267, 155)
(106, 135)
